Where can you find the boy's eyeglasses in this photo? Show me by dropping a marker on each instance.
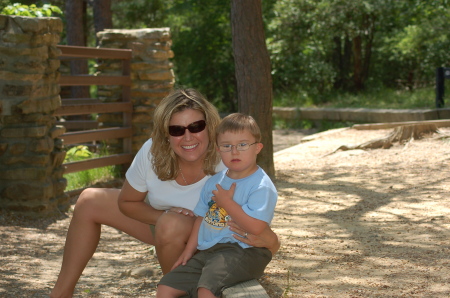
(194, 127)
(239, 147)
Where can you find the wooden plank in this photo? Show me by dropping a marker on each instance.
(78, 124)
(438, 123)
(127, 116)
(361, 115)
(96, 135)
(84, 109)
(79, 101)
(84, 165)
(89, 53)
(89, 106)
(247, 289)
(87, 80)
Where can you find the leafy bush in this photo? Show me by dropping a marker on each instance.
(86, 178)
(18, 9)
(78, 153)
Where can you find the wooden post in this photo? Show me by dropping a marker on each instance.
(440, 87)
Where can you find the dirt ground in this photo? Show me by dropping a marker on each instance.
(353, 223)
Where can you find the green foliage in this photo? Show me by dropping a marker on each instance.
(139, 13)
(421, 45)
(312, 44)
(280, 123)
(4, 3)
(85, 178)
(32, 10)
(201, 35)
(78, 153)
(376, 98)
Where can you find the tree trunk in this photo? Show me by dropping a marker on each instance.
(75, 15)
(102, 15)
(342, 54)
(357, 63)
(368, 49)
(254, 80)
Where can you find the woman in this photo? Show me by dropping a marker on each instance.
(168, 172)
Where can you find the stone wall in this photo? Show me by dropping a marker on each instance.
(151, 73)
(31, 150)
(31, 153)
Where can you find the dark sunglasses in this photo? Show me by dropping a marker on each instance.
(194, 127)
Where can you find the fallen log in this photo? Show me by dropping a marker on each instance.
(375, 126)
(401, 134)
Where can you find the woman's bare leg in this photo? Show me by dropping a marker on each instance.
(172, 233)
(94, 207)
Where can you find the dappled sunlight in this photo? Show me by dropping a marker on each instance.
(366, 225)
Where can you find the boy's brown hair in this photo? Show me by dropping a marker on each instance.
(238, 122)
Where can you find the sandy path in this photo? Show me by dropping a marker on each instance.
(353, 224)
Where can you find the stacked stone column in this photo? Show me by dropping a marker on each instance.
(151, 73)
(31, 150)
(31, 154)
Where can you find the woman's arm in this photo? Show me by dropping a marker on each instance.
(132, 204)
(267, 238)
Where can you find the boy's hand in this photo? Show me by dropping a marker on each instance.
(182, 260)
(222, 196)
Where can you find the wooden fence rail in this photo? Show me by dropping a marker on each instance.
(83, 106)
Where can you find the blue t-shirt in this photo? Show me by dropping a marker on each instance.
(256, 194)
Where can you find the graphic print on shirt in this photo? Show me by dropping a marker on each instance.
(216, 216)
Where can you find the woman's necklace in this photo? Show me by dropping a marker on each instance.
(184, 179)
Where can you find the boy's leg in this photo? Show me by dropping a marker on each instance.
(168, 292)
(229, 264)
(205, 293)
(185, 278)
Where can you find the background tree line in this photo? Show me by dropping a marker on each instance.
(317, 47)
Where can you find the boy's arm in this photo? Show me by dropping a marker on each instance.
(191, 246)
(224, 199)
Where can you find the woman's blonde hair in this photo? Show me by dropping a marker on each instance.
(164, 161)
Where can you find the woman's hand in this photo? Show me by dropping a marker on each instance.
(267, 238)
(180, 210)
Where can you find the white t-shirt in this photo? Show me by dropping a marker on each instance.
(162, 195)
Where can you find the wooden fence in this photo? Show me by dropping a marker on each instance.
(85, 106)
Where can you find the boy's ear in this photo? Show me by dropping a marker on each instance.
(259, 147)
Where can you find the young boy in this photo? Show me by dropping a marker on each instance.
(244, 193)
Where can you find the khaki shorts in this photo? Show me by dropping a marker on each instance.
(219, 267)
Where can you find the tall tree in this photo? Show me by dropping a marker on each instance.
(254, 80)
(102, 15)
(75, 12)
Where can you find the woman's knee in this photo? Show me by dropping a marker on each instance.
(172, 228)
(90, 201)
